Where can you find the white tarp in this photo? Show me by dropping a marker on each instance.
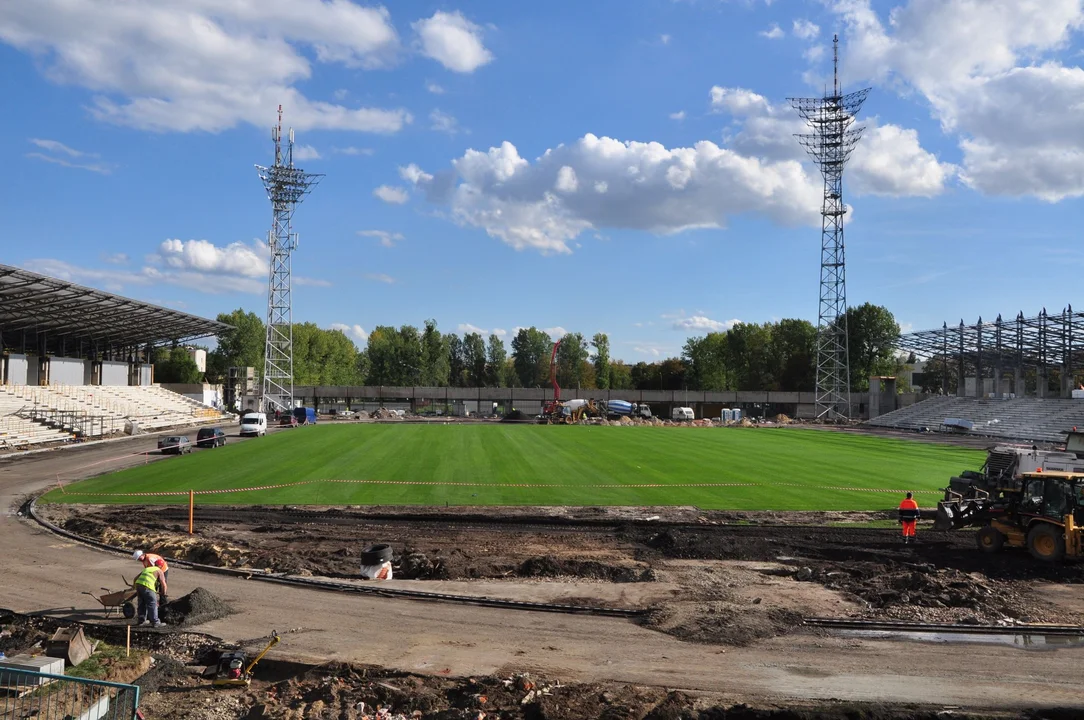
(376, 572)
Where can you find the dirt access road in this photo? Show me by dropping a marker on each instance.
(43, 573)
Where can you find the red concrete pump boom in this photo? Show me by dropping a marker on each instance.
(553, 374)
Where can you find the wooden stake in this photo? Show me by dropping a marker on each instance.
(191, 508)
(59, 485)
(128, 643)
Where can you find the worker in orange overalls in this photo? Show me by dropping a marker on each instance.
(909, 514)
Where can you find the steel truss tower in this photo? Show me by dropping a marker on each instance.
(830, 144)
(286, 187)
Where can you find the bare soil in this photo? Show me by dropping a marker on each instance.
(730, 578)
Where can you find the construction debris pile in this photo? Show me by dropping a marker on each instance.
(198, 606)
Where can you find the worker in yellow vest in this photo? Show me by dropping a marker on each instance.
(147, 585)
(150, 559)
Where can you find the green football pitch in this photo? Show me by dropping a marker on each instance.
(712, 468)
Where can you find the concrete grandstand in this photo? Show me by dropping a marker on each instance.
(76, 362)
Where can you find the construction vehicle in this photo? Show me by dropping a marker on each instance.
(554, 411)
(619, 408)
(1022, 497)
(231, 671)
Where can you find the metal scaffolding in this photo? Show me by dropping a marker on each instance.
(830, 145)
(1024, 354)
(286, 187)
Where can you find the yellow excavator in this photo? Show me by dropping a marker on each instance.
(1022, 498)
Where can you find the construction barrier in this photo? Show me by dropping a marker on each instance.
(29, 694)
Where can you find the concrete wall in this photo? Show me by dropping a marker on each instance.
(114, 373)
(210, 395)
(67, 371)
(530, 400)
(17, 372)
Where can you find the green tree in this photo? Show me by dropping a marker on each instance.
(323, 357)
(531, 349)
(435, 369)
(793, 353)
(174, 365)
(748, 355)
(601, 359)
(672, 374)
(394, 356)
(646, 376)
(571, 356)
(872, 335)
(496, 359)
(706, 361)
(620, 376)
(474, 359)
(243, 346)
(457, 361)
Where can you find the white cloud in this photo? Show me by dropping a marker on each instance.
(805, 30)
(187, 65)
(59, 149)
(774, 32)
(701, 323)
(354, 332)
(414, 174)
(100, 168)
(387, 239)
(443, 122)
(55, 146)
(453, 41)
(990, 73)
(380, 277)
(555, 333)
(679, 115)
(206, 257)
(351, 150)
(566, 180)
(305, 152)
(665, 39)
(434, 88)
(652, 350)
(467, 328)
(391, 194)
(116, 258)
(889, 160)
(499, 332)
(340, 94)
(637, 185)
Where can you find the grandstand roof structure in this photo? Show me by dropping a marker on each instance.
(1044, 341)
(51, 311)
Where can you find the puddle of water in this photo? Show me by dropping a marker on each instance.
(1028, 641)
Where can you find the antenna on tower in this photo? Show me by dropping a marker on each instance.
(286, 187)
(830, 144)
(835, 66)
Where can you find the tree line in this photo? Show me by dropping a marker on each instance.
(749, 356)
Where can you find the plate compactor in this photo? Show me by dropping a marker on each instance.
(231, 669)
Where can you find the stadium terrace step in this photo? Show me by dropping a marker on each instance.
(1022, 419)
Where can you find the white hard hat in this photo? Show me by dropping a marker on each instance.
(137, 555)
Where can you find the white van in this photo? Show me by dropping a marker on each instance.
(682, 413)
(254, 423)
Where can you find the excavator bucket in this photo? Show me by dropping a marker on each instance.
(946, 512)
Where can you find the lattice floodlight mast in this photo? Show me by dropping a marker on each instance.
(286, 187)
(830, 145)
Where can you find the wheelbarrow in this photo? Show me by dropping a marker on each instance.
(114, 599)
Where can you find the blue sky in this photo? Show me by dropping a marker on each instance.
(603, 166)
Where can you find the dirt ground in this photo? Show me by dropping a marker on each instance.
(175, 687)
(730, 578)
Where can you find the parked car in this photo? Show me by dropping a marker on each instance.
(210, 438)
(174, 445)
